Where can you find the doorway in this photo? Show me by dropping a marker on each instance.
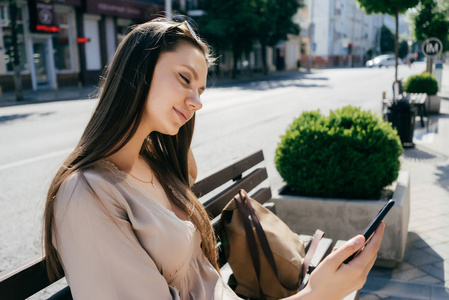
(40, 60)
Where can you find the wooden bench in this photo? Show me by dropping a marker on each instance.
(416, 100)
(214, 192)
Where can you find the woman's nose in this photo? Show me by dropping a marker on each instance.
(194, 102)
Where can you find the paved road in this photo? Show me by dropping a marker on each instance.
(235, 120)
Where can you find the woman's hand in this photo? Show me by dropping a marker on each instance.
(333, 279)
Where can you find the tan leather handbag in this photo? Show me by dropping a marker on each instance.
(266, 257)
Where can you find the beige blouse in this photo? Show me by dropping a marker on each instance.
(117, 242)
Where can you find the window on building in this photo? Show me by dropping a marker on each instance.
(5, 21)
(61, 47)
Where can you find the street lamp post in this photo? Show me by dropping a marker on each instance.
(16, 56)
(311, 33)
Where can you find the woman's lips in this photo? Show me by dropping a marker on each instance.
(182, 115)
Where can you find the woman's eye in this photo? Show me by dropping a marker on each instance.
(184, 78)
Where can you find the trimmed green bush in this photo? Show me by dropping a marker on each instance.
(422, 83)
(350, 154)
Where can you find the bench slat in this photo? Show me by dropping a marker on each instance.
(215, 205)
(262, 195)
(64, 294)
(215, 180)
(25, 280)
(321, 251)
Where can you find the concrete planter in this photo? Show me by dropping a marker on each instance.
(342, 219)
(433, 103)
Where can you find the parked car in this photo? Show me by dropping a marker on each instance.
(385, 60)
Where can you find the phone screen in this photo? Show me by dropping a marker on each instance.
(369, 230)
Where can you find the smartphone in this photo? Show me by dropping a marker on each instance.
(368, 233)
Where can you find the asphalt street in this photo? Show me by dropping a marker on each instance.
(236, 120)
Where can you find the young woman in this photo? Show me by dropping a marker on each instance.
(120, 218)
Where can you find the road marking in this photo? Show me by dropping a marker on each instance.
(35, 159)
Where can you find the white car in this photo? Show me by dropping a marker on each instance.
(385, 60)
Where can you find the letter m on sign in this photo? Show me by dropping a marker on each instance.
(432, 48)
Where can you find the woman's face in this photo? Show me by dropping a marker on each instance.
(179, 78)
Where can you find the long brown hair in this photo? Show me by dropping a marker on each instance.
(124, 89)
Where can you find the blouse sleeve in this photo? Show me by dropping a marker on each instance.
(98, 249)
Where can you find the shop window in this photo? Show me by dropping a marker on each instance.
(5, 22)
(61, 46)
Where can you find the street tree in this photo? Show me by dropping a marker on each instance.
(431, 21)
(386, 40)
(231, 25)
(403, 49)
(276, 23)
(236, 24)
(391, 7)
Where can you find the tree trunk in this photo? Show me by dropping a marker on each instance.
(264, 59)
(396, 45)
(429, 65)
(16, 56)
(235, 59)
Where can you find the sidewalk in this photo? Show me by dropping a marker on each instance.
(89, 92)
(39, 96)
(424, 273)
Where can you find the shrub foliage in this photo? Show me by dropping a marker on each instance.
(350, 154)
(422, 83)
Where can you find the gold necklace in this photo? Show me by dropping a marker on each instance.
(151, 181)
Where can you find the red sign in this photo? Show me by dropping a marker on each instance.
(42, 17)
(47, 28)
(82, 40)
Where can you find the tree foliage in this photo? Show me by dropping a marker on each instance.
(387, 6)
(391, 7)
(386, 40)
(431, 21)
(236, 24)
(276, 20)
(403, 49)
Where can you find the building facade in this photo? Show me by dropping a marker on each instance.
(66, 42)
(339, 33)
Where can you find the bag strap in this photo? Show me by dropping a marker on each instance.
(262, 236)
(306, 267)
(251, 240)
(243, 198)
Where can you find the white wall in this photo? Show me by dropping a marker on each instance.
(321, 21)
(93, 53)
(110, 37)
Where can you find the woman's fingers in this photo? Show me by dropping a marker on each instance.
(353, 245)
(373, 246)
(333, 279)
